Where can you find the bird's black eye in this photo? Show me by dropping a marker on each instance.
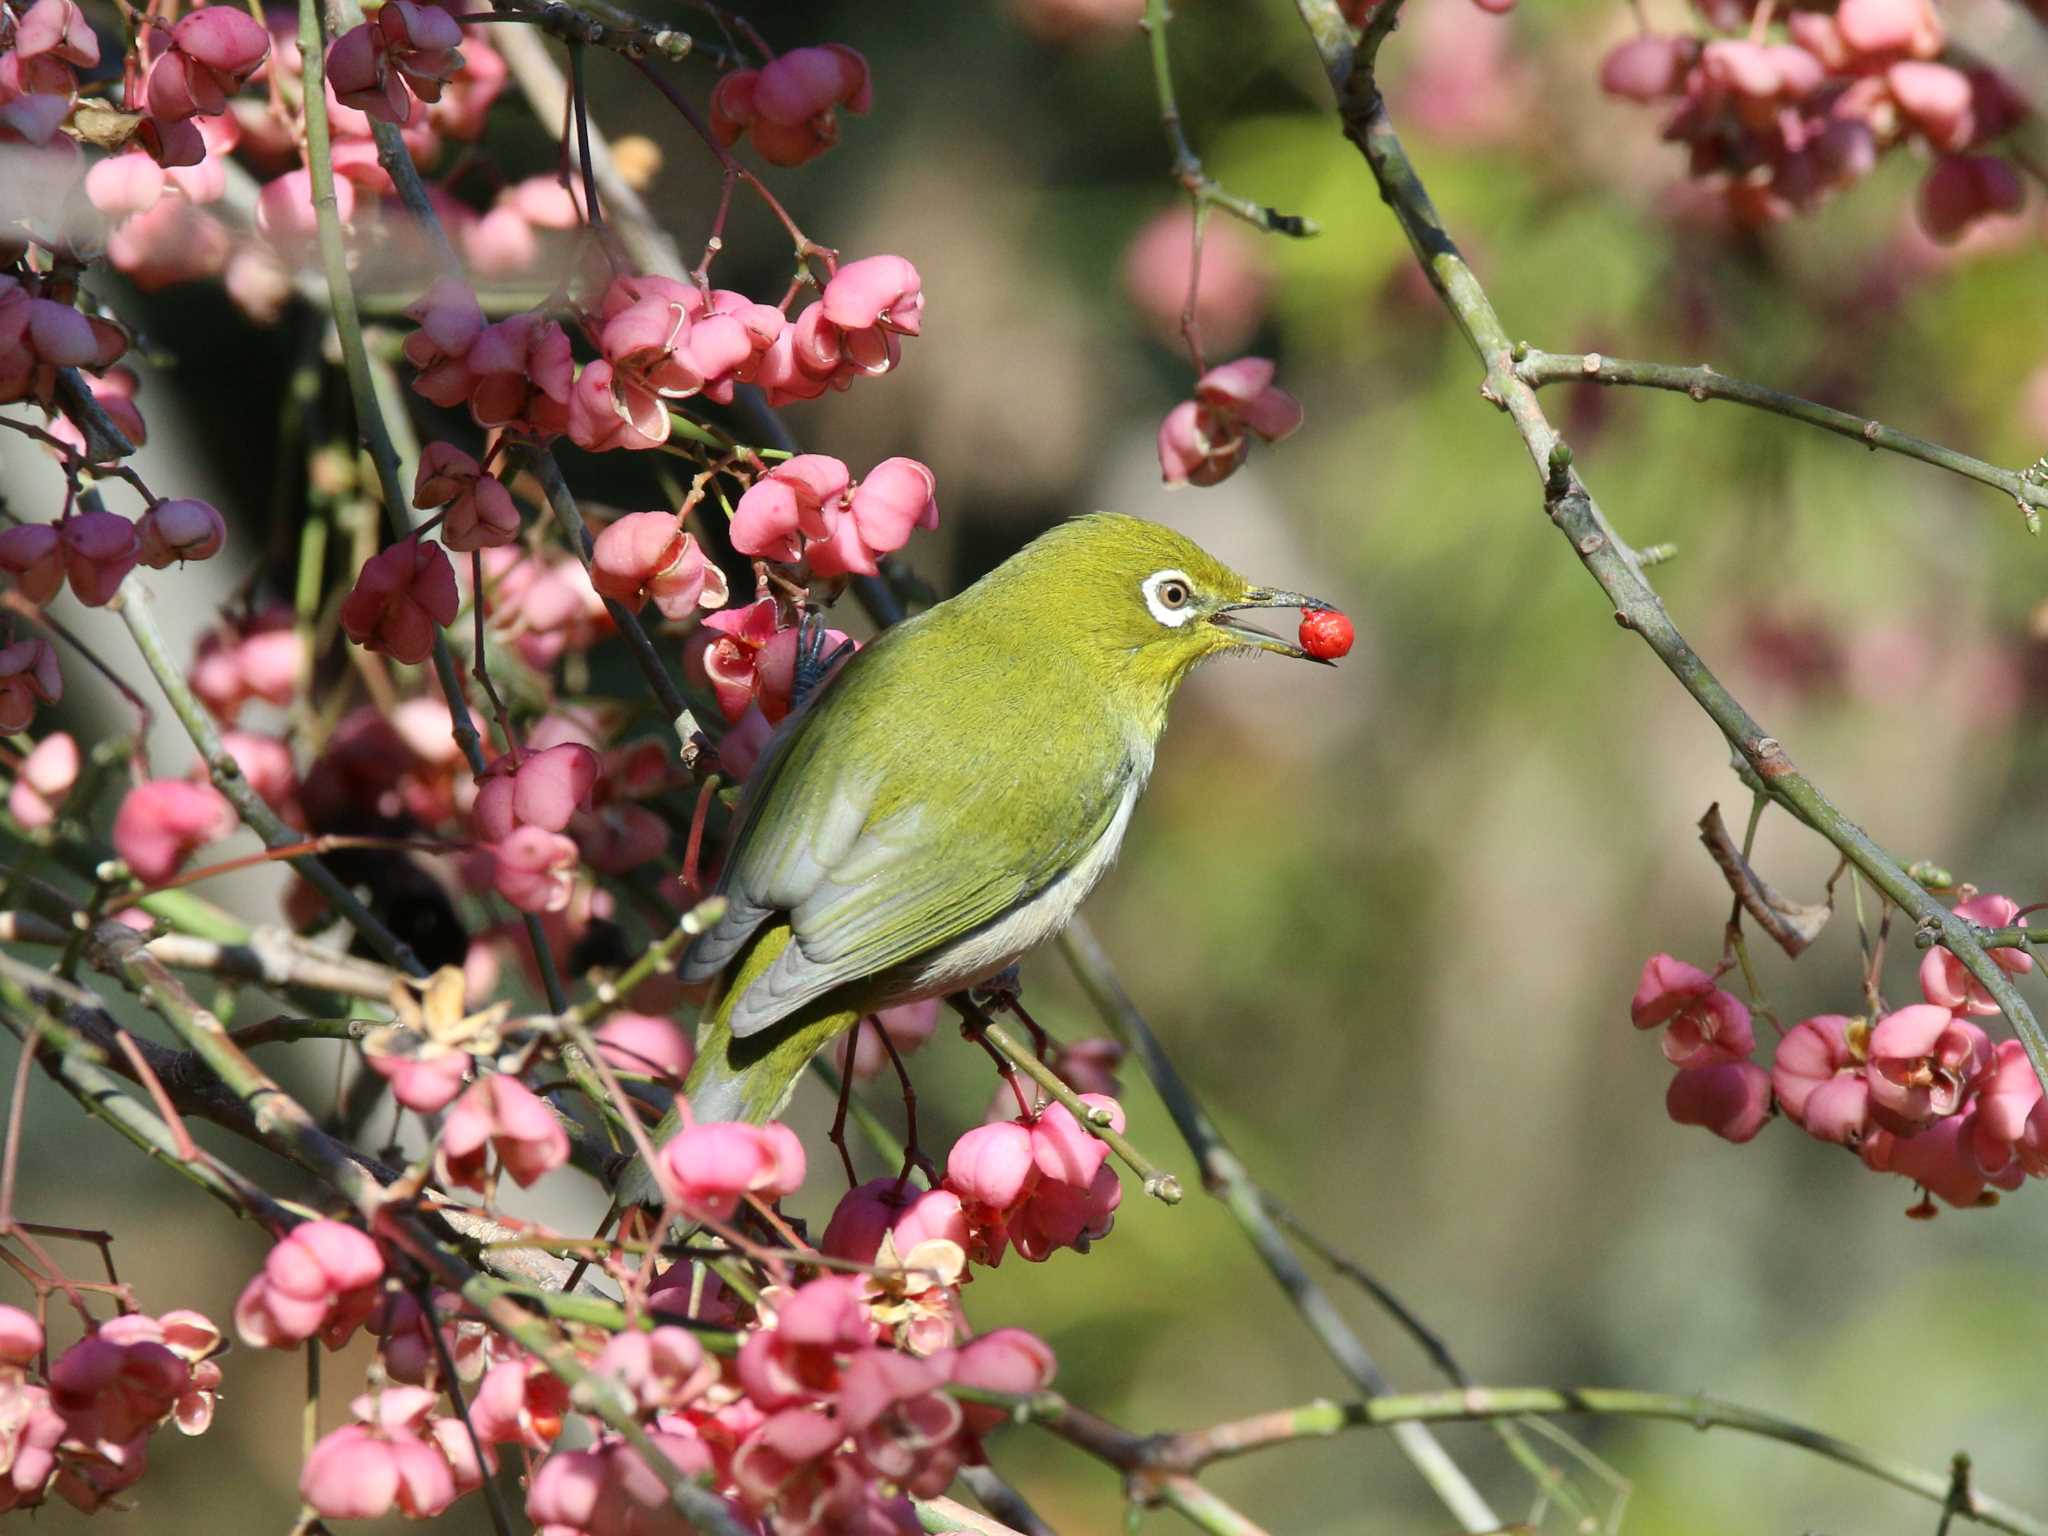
(1174, 594)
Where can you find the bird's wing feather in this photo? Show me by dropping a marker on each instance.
(834, 827)
(892, 897)
(758, 865)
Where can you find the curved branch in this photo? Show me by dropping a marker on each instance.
(2027, 487)
(1187, 165)
(1188, 1453)
(1608, 559)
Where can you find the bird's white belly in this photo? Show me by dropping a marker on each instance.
(1000, 944)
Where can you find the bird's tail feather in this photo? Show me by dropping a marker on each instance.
(748, 1079)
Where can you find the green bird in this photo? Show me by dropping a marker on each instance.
(945, 804)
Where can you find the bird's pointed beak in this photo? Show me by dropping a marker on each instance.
(1259, 639)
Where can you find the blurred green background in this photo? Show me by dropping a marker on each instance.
(1389, 918)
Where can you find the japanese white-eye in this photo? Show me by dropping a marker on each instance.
(947, 800)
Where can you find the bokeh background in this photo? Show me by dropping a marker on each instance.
(1387, 918)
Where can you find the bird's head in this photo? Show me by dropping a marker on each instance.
(1141, 604)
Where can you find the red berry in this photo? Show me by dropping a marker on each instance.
(1325, 633)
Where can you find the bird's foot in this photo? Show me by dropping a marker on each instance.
(1002, 989)
(813, 666)
(1005, 991)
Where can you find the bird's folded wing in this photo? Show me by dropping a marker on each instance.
(766, 862)
(899, 888)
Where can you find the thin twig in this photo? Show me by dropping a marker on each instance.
(1004, 1502)
(1205, 191)
(1148, 1459)
(645, 656)
(1159, 1184)
(1225, 1177)
(1471, 1404)
(101, 1096)
(2028, 487)
(132, 603)
(104, 441)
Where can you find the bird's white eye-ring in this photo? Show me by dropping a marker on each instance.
(1168, 594)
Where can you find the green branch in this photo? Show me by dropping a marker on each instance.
(132, 602)
(2028, 487)
(1188, 1453)
(1187, 165)
(68, 1059)
(277, 1116)
(656, 958)
(1606, 557)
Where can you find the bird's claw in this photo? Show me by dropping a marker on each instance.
(813, 666)
(1002, 989)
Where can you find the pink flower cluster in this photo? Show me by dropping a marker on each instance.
(787, 107)
(29, 678)
(1204, 440)
(1780, 125)
(836, 1412)
(321, 1281)
(480, 512)
(499, 1115)
(647, 555)
(529, 798)
(747, 657)
(185, 83)
(708, 1168)
(256, 657)
(46, 776)
(92, 550)
(851, 330)
(403, 597)
(643, 1044)
(1922, 1092)
(541, 812)
(838, 1405)
(39, 335)
(201, 61)
(399, 1457)
(810, 508)
(386, 66)
(543, 604)
(163, 822)
(1708, 1037)
(41, 53)
(544, 789)
(82, 1431)
(157, 189)
(659, 340)
(1037, 1183)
